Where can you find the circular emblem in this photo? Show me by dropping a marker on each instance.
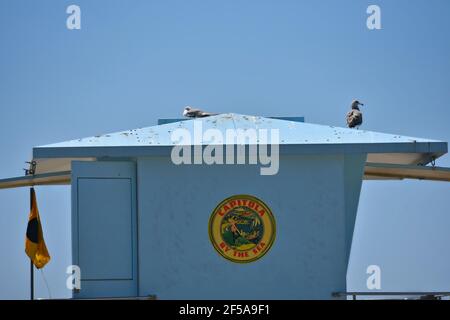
(242, 228)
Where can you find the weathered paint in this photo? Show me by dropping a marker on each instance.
(291, 132)
(295, 138)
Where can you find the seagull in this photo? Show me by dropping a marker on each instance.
(196, 113)
(354, 116)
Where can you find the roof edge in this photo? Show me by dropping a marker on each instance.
(429, 149)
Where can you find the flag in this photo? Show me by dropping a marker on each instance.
(35, 247)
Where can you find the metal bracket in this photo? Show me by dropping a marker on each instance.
(32, 168)
(433, 161)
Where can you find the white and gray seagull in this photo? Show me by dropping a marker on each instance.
(354, 116)
(196, 113)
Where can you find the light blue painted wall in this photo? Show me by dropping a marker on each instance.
(104, 237)
(353, 172)
(309, 198)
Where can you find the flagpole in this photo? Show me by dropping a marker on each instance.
(31, 261)
(31, 280)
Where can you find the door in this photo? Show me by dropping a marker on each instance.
(104, 239)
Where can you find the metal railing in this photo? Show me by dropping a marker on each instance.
(397, 295)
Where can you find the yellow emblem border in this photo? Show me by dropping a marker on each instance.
(270, 216)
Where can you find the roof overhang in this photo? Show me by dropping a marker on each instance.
(377, 171)
(294, 137)
(56, 159)
(401, 153)
(388, 156)
(53, 178)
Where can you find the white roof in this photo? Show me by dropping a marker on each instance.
(295, 138)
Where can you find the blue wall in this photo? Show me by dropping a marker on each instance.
(313, 198)
(104, 231)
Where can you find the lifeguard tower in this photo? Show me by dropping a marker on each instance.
(142, 225)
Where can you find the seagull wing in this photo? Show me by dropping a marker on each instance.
(206, 114)
(354, 118)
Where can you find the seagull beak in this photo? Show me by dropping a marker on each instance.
(361, 104)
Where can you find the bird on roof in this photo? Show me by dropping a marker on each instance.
(196, 113)
(354, 116)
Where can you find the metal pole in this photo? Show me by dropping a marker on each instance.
(31, 280)
(31, 262)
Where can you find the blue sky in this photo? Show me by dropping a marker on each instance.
(134, 62)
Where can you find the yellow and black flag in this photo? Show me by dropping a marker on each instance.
(35, 247)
